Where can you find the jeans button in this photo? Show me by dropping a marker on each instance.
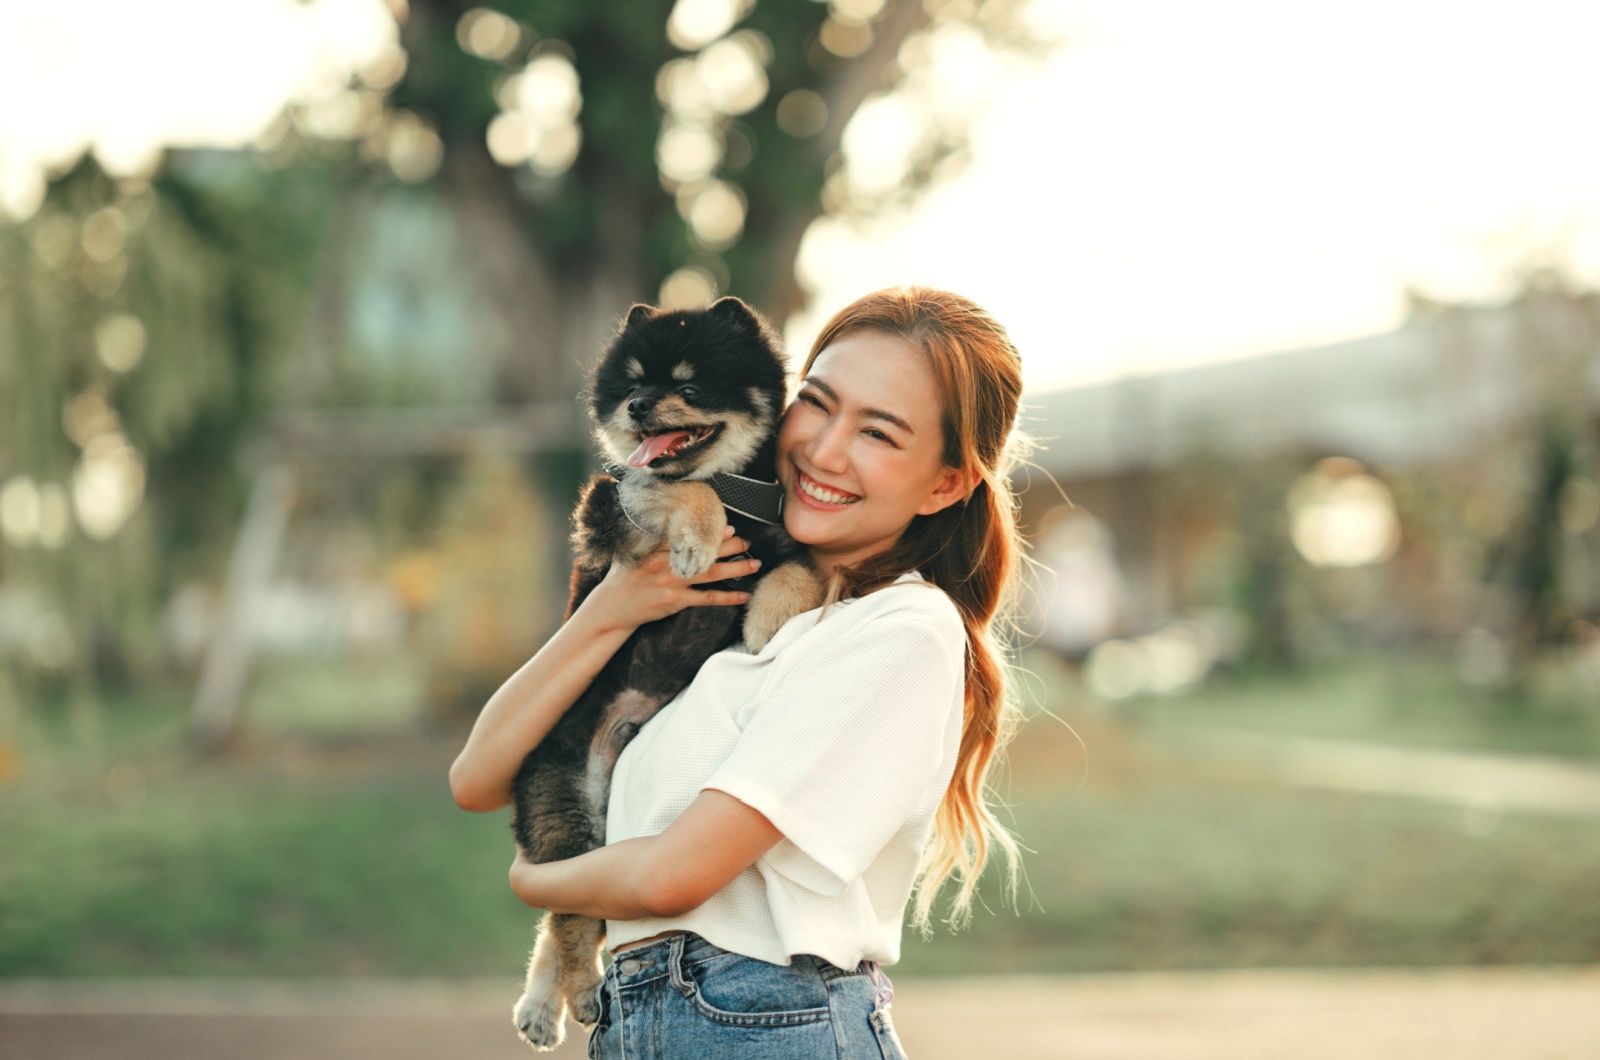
(630, 967)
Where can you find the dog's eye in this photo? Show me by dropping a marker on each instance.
(689, 391)
(632, 390)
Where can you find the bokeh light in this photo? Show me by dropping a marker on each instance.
(107, 485)
(55, 518)
(733, 72)
(802, 113)
(715, 211)
(687, 288)
(538, 124)
(86, 416)
(411, 147)
(19, 510)
(120, 342)
(845, 37)
(880, 141)
(695, 23)
(1342, 517)
(687, 152)
(488, 34)
(547, 89)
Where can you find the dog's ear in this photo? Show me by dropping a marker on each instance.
(731, 308)
(638, 315)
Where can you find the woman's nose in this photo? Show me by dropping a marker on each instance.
(828, 447)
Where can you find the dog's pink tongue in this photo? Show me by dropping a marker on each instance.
(656, 444)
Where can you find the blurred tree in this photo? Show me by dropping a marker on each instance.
(140, 325)
(1556, 332)
(591, 155)
(600, 154)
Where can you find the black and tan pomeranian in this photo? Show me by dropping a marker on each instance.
(685, 404)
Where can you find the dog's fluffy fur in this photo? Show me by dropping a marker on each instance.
(694, 392)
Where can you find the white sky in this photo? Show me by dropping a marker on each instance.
(1186, 181)
(1180, 182)
(128, 76)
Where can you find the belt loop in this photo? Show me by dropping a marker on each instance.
(680, 980)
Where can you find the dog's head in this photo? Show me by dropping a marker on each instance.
(688, 392)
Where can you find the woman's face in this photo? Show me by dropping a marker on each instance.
(860, 451)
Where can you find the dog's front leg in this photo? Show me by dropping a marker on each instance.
(578, 939)
(787, 590)
(687, 515)
(539, 1011)
(694, 528)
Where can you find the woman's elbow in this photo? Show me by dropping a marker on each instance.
(471, 794)
(661, 897)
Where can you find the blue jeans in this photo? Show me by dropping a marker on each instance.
(684, 999)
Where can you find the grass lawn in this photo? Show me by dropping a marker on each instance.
(341, 855)
(1409, 702)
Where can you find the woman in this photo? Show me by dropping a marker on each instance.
(766, 829)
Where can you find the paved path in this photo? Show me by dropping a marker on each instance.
(1491, 1014)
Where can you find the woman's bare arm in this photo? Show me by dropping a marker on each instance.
(529, 704)
(670, 874)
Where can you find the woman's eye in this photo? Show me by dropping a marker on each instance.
(874, 432)
(808, 399)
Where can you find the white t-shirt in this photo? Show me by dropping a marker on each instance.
(843, 732)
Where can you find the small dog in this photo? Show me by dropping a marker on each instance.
(681, 400)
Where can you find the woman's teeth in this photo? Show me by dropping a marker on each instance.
(824, 494)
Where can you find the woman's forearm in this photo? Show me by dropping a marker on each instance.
(527, 707)
(611, 882)
(665, 875)
(530, 703)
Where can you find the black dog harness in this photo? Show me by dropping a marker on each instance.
(761, 501)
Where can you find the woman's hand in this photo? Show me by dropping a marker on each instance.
(628, 597)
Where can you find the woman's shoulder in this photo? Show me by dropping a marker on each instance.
(911, 598)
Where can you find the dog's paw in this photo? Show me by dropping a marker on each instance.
(539, 1018)
(692, 556)
(758, 630)
(585, 1006)
(788, 590)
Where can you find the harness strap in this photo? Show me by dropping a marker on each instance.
(761, 501)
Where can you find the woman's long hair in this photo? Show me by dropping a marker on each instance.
(970, 549)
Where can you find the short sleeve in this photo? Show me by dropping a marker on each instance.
(844, 743)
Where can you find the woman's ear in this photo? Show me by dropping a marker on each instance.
(953, 485)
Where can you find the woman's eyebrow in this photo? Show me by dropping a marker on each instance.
(874, 413)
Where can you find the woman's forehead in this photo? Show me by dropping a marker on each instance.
(879, 372)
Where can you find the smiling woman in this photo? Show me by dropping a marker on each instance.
(767, 828)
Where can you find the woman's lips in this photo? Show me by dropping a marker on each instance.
(826, 501)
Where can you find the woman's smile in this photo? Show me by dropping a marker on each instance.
(814, 494)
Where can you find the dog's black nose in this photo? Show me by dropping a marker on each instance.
(640, 407)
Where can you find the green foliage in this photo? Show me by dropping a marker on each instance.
(213, 260)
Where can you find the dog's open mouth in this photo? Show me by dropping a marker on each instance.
(671, 443)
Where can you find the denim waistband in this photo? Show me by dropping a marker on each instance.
(653, 960)
(641, 964)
